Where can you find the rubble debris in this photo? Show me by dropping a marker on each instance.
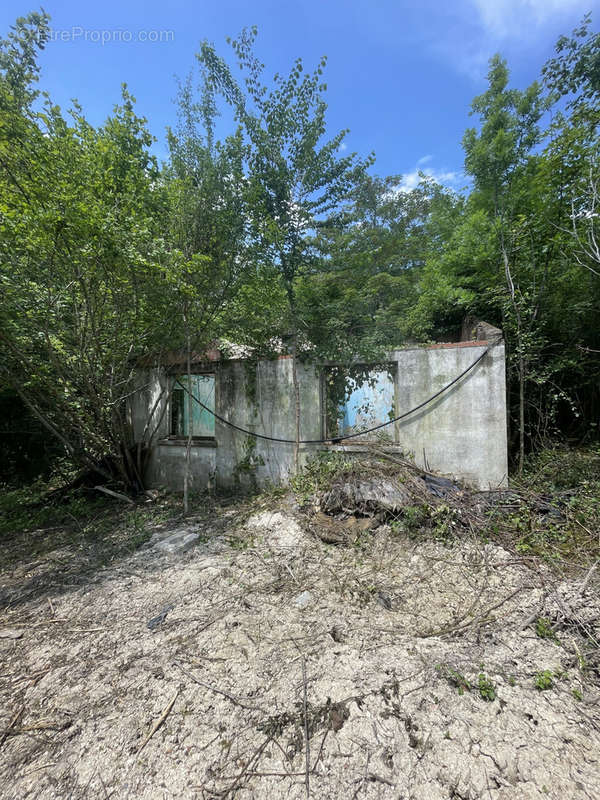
(433, 697)
(366, 495)
(384, 600)
(303, 600)
(282, 533)
(338, 634)
(159, 618)
(177, 543)
(440, 487)
(339, 531)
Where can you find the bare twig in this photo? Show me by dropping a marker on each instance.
(116, 495)
(374, 777)
(246, 772)
(214, 689)
(37, 769)
(12, 724)
(317, 759)
(480, 620)
(159, 722)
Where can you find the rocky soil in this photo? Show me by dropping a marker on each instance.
(279, 665)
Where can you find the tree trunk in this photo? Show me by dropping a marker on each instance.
(521, 368)
(188, 451)
(521, 414)
(296, 386)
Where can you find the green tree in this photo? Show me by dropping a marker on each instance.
(207, 229)
(573, 150)
(358, 298)
(299, 178)
(501, 158)
(82, 261)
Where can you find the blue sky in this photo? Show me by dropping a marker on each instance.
(401, 75)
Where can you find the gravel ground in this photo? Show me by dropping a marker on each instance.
(395, 667)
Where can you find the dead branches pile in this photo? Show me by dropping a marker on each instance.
(381, 487)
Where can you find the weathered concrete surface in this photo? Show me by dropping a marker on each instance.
(461, 434)
(167, 466)
(261, 398)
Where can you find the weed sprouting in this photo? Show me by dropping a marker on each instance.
(454, 678)
(544, 630)
(487, 689)
(319, 474)
(544, 680)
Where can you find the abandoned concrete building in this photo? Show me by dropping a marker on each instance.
(442, 405)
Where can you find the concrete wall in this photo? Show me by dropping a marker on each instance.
(461, 434)
(261, 398)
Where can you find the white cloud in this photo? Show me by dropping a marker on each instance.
(475, 29)
(449, 178)
(504, 18)
(343, 146)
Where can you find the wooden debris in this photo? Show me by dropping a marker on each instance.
(158, 722)
(116, 495)
(306, 737)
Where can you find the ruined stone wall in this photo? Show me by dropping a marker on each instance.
(461, 434)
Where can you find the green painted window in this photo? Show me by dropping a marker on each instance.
(203, 390)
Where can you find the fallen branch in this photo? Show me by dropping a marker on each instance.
(318, 758)
(264, 775)
(402, 461)
(159, 722)
(214, 689)
(246, 772)
(11, 725)
(480, 620)
(116, 495)
(374, 777)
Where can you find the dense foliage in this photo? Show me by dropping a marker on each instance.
(275, 237)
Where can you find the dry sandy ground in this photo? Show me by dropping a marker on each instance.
(379, 664)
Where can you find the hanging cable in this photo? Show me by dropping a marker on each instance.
(336, 439)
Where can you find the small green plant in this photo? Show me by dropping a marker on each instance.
(581, 662)
(241, 543)
(319, 474)
(543, 629)
(444, 521)
(454, 678)
(512, 681)
(414, 518)
(546, 521)
(577, 694)
(544, 680)
(487, 689)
